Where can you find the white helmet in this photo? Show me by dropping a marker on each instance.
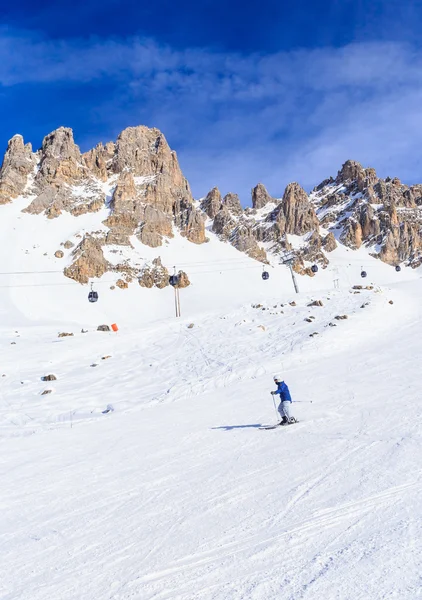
(277, 378)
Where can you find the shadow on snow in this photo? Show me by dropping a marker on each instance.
(230, 427)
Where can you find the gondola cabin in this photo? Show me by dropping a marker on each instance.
(93, 296)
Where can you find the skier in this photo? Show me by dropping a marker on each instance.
(286, 400)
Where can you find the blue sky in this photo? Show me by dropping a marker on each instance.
(266, 91)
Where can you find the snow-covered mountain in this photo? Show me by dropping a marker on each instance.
(130, 196)
(132, 463)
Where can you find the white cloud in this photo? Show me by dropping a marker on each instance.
(236, 120)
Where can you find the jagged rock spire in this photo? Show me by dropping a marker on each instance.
(212, 203)
(298, 211)
(260, 196)
(18, 163)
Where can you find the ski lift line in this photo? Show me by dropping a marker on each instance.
(212, 263)
(28, 272)
(237, 261)
(205, 263)
(198, 271)
(191, 272)
(112, 281)
(220, 270)
(25, 285)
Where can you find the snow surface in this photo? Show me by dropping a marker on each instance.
(173, 491)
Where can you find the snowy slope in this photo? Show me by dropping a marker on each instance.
(35, 291)
(175, 492)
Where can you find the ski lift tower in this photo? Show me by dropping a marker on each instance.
(288, 260)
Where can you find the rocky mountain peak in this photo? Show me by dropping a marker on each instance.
(231, 202)
(382, 214)
(137, 184)
(144, 152)
(60, 145)
(299, 213)
(351, 170)
(212, 203)
(147, 193)
(260, 196)
(18, 163)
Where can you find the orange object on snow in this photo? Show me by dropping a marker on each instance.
(114, 327)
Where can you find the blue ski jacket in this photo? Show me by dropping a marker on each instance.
(284, 392)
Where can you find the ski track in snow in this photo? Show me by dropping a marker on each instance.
(176, 494)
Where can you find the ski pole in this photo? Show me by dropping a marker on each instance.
(275, 408)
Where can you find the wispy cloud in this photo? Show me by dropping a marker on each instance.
(235, 119)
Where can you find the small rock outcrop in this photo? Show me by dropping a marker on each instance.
(50, 377)
(183, 280)
(89, 260)
(123, 285)
(154, 275)
(329, 242)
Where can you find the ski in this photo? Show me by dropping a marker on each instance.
(277, 425)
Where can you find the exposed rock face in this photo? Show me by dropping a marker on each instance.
(245, 230)
(231, 203)
(298, 211)
(378, 213)
(122, 284)
(223, 224)
(130, 215)
(190, 221)
(61, 160)
(138, 186)
(329, 242)
(244, 240)
(183, 280)
(148, 194)
(63, 182)
(151, 194)
(260, 196)
(98, 160)
(89, 260)
(154, 225)
(294, 214)
(212, 203)
(350, 171)
(155, 275)
(18, 164)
